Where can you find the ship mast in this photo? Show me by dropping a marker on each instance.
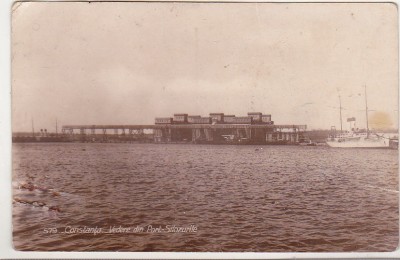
(340, 108)
(366, 108)
(33, 129)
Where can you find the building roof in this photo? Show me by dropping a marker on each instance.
(254, 113)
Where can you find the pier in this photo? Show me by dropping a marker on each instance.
(255, 128)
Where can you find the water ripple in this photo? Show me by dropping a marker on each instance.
(241, 199)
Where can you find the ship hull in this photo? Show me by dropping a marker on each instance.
(361, 143)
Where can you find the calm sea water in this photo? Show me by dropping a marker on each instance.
(236, 198)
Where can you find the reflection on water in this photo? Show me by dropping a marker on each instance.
(238, 198)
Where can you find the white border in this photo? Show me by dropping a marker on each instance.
(6, 249)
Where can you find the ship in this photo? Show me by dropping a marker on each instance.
(356, 138)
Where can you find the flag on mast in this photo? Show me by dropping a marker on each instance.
(351, 119)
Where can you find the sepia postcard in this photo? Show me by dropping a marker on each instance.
(204, 127)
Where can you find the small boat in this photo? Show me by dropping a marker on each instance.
(307, 143)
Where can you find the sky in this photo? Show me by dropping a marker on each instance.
(127, 63)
